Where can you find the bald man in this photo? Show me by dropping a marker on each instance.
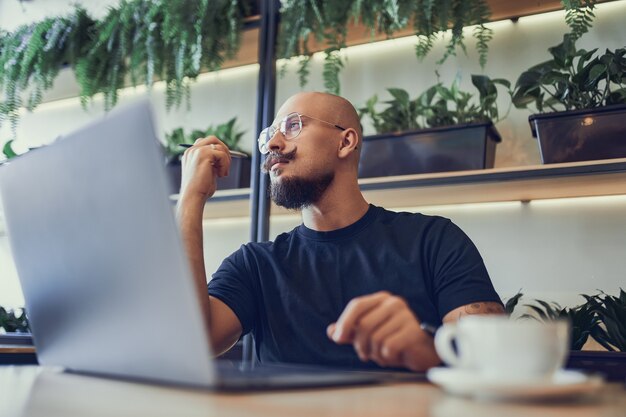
(354, 285)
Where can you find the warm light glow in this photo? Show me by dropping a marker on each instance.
(227, 221)
(587, 121)
(595, 200)
(491, 205)
(208, 77)
(558, 16)
(507, 205)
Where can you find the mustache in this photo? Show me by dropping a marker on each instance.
(274, 157)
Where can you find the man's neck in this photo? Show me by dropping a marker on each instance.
(335, 210)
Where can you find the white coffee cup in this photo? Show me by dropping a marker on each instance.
(500, 348)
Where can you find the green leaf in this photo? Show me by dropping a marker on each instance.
(484, 85)
(542, 314)
(512, 302)
(400, 95)
(596, 72)
(8, 151)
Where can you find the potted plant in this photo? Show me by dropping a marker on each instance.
(13, 321)
(444, 129)
(584, 322)
(601, 317)
(15, 333)
(611, 311)
(584, 96)
(239, 176)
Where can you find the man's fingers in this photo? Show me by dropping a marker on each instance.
(371, 321)
(214, 143)
(218, 158)
(330, 330)
(381, 334)
(356, 308)
(394, 345)
(208, 141)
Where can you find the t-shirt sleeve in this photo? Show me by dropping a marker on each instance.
(459, 273)
(232, 283)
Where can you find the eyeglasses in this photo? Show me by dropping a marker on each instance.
(290, 126)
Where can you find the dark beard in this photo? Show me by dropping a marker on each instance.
(299, 193)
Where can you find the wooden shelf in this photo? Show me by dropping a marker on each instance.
(16, 349)
(579, 179)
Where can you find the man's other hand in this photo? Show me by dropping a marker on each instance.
(382, 328)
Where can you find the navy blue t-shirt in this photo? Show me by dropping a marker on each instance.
(288, 291)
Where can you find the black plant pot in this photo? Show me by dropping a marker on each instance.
(610, 364)
(581, 135)
(238, 177)
(450, 148)
(15, 356)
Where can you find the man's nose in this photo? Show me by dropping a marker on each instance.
(277, 142)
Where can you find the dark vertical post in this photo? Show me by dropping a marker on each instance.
(269, 102)
(266, 97)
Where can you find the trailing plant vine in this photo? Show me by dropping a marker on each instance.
(148, 40)
(137, 42)
(579, 16)
(326, 20)
(32, 56)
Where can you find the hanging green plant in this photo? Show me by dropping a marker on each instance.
(140, 41)
(32, 56)
(327, 20)
(579, 16)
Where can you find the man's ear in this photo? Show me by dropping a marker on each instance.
(349, 143)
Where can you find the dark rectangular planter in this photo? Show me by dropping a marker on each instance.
(581, 135)
(19, 339)
(238, 177)
(440, 149)
(612, 365)
(15, 357)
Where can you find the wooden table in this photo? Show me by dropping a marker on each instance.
(35, 391)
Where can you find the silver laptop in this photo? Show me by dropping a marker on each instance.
(107, 284)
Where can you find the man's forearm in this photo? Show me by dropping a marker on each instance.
(189, 215)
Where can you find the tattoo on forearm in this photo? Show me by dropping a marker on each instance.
(482, 308)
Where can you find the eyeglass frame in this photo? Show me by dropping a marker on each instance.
(265, 137)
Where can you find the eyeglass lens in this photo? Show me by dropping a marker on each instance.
(290, 127)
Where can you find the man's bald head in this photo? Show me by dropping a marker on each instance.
(328, 107)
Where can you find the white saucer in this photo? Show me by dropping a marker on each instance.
(564, 383)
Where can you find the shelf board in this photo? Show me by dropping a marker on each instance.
(577, 179)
